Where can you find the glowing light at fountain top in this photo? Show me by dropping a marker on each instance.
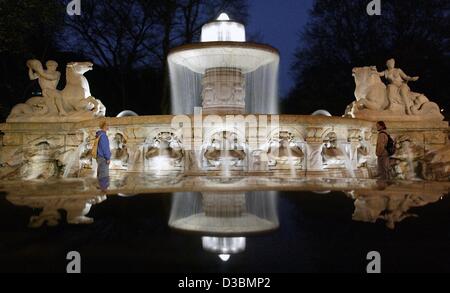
(223, 16)
(223, 30)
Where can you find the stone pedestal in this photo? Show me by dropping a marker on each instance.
(44, 150)
(223, 91)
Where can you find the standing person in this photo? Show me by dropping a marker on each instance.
(382, 151)
(103, 156)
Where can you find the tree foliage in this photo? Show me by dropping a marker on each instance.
(27, 30)
(23, 23)
(127, 36)
(340, 35)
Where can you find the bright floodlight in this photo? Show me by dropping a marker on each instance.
(223, 30)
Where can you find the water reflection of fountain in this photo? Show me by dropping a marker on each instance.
(76, 208)
(224, 247)
(223, 219)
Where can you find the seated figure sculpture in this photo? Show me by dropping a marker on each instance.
(398, 91)
(395, 102)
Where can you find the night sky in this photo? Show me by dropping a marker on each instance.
(280, 23)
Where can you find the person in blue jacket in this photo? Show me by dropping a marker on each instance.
(103, 156)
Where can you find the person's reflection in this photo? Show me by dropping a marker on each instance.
(103, 184)
(382, 184)
(76, 208)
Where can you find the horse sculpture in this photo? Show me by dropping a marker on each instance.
(77, 95)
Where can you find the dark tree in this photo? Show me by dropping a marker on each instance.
(340, 35)
(182, 21)
(27, 30)
(131, 39)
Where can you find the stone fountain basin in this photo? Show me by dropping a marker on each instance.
(20, 138)
(202, 56)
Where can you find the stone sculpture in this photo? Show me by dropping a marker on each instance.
(333, 156)
(224, 148)
(119, 150)
(395, 102)
(164, 152)
(74, 103)
(284, 150)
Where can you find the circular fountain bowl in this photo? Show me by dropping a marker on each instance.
(202, 56)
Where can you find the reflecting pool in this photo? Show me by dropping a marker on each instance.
(298, 226)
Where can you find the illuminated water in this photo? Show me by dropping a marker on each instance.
(299, 231)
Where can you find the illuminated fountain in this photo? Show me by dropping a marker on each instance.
(230, 75)
(225, 123)
(225, 75)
